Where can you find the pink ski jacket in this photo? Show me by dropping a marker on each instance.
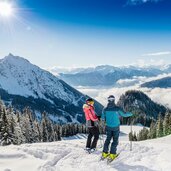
(90, 115)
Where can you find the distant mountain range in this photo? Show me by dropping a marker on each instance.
(160, 83)
(107, 75)
(24, 84)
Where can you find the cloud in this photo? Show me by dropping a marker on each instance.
(158, 53)
(159, 95)
(138, 2)
(137, 81)
(153, 63)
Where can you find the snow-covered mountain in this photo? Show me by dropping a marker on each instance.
(24, 84)
(69, 155)
(140, 104)
(107, 75)
(160, 83)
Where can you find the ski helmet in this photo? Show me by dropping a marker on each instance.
(111, 98)
(90, 101)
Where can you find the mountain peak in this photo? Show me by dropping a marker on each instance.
(10, 56)
(12, 60)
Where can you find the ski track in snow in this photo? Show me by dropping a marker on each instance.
(69, 155)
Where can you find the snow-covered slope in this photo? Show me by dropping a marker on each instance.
(24, 84)
(69, 155)
(18, 76)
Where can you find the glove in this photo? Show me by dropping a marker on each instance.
(96, 123)
(98, 117)
(103, 123)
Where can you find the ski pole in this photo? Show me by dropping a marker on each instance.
(100, 141)
(131, 137)
(101, 138)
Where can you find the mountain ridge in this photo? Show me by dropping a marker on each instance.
(159, 83)
(26, 84)
(107, 75)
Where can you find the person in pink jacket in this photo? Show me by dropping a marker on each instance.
(92, 124)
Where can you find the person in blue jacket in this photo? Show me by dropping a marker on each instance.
(111, 115)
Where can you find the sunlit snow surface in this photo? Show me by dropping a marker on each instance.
(69, 155)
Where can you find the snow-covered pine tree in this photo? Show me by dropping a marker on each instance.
(58, 132)
(44, 132)
(152, 132)
(49, 126)
(76, 129)
(169, 123)
(166, 130)
(131, 136)
(19, 138)
(37, 132)
(134, 136)
(34, 132)
(27, 126)
(143, 134)
(6, 138)
(50, 129)
(63, 131)
(67, 130)
(159, 129)
(80, 128)
(55, 127)
(11, 121)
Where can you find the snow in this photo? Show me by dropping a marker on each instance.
(69, 155)
(19, 77)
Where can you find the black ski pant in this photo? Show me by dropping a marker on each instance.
(93, 137)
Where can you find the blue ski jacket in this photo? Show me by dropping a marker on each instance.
(112, 113)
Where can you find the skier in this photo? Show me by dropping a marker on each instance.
(111, 115)
(92, 124)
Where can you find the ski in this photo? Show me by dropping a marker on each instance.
(109, 160)
(102, 158)
(87, 151)
(90, 151)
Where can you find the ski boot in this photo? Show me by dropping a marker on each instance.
(111, 158)
(104, 156)
(88, 150)
(92, 150)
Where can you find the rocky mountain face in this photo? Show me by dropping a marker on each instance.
(24, 84)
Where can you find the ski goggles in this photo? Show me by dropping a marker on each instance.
(111, 98)
(91, 102)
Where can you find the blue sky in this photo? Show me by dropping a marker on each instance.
(88, 32)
